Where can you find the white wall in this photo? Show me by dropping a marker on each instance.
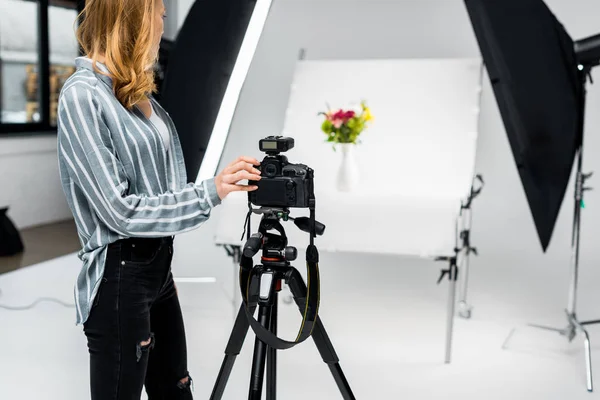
(29, 180)
(503, 226)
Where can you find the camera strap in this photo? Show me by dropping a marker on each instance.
(307, 297)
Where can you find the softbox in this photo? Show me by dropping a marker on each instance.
(200, 65)
(532, 66)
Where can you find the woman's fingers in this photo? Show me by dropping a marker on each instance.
(250, 160)
(240, 175)
(244, 159)
(247, 159)
(239, 166)
(240, 188)
(245, 188)
(240, 169)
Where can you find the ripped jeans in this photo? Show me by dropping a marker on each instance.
(135, 330)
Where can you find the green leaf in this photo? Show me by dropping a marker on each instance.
(326, 126)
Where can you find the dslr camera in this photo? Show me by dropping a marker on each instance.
(283, 184)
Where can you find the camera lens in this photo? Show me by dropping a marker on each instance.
(270, 170)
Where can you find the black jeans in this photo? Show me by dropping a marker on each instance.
(135, 330)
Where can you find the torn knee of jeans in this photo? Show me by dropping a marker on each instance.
(144, 346)
(185, 383)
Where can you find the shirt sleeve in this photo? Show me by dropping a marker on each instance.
(85, 145)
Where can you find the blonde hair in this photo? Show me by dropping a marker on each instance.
(123, 31)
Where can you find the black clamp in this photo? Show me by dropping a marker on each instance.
(465, 236)
(585, 177)
(580, 187)
(475, 191)
(452, 271)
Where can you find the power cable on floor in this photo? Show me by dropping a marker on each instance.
(36, 302)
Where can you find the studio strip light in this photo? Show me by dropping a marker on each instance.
(220, 131)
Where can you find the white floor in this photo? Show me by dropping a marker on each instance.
(385, 316)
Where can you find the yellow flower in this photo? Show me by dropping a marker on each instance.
(367, 114)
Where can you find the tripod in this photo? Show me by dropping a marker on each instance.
(266, 278)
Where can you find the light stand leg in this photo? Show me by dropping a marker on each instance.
(588, 364)
(452, 273)
(588, 353)
(450, 316)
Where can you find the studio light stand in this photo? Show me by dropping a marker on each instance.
(262, 284)
(453, 263)
(543, 112)
(588, 51)
(574, 326)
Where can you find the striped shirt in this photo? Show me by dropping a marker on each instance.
(118, 177)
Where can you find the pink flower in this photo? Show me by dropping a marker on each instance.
(340, 117)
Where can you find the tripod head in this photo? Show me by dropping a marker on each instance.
(272, 215)
(275, 249)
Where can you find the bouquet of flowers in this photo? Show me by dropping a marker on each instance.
(345, 126)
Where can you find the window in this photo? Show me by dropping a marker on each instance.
(19, 55)
(63, 49)
(37, 52)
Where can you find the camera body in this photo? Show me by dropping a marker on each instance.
(282, 183)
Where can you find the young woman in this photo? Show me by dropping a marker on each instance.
(123, 175)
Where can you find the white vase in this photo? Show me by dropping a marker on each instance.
(348, 175)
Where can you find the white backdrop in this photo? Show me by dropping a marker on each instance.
(416, 160)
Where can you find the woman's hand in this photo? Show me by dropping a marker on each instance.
(240, 169)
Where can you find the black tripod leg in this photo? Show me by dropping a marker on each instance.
(234, 346)
(272, 355)
(260, 354)
(321, 339)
